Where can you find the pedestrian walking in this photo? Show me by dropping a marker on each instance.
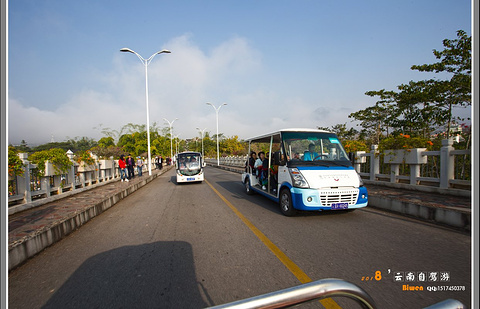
(130, 167)
(139, 166)
(122, 165)
(161, 162)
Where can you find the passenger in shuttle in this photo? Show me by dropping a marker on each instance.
(251, 162)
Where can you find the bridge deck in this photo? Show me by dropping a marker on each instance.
(32, 230)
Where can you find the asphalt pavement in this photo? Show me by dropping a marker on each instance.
(32, 230)
(190, 246)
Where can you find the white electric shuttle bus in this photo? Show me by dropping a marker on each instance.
(189, 167)
(308, 170)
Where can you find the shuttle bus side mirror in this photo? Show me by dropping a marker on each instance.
(351, 157)
(277, 158)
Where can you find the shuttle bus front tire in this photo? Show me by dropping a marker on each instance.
(286, 205)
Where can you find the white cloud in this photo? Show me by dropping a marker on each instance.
(180, 84)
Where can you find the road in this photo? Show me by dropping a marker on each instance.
(192, 246)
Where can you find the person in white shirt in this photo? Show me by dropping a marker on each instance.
(261, 172)
(139, 166)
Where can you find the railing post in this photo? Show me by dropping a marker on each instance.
(101, 172)
(359, 158)
(27, 196)
(394, 171)
(113, 174)
(71, 176)
(28, 189)
(415, 158)
(45, 185)
(374, 162)
(98, 171)
(414, 173)
(82, 179)
(447, 163)
(71, 172)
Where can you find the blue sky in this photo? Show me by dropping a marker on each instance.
(276, 64)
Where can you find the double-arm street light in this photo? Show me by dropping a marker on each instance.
(177, 141)
(216, 112)
(146, 62)
(170, 124)
(203, 131)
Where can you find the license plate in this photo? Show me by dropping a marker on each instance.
(191, 179)
(336, 206)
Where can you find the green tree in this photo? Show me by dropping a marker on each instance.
(354, 145)
(456, 59)
(420, 107)
(106, 142)
(127, 143)
(56, 156)
(15, 164)
(232, 146)
(209, 145)
(342, 131)
(23, 147)
(108, 132)
(107, 152)
(62, 145)
(81, 144)
(378, 118)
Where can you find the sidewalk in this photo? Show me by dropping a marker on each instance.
(450, 210)
(34, 229)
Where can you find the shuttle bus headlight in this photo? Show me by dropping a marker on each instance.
(297, 178)
(360, 180)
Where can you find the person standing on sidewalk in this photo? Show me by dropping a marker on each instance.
(130, 167)
(122, 165)
(139, 166)
(157, 164)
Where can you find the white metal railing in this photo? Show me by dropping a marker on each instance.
(318, 290)
(424, 169)
(30, 186)
(420, 167)
(414, 159)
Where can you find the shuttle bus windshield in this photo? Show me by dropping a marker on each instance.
(189, 167)
(314, 148)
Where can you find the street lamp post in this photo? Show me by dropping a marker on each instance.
(170, 124)
(146, 62)
(216, 112)
(177, 141)
(202, 138)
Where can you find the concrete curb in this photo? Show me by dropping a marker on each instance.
(457, 218)
(21, 250)
(425, 189)
(453, 217)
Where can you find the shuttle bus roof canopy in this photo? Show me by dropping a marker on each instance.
(265, 138)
